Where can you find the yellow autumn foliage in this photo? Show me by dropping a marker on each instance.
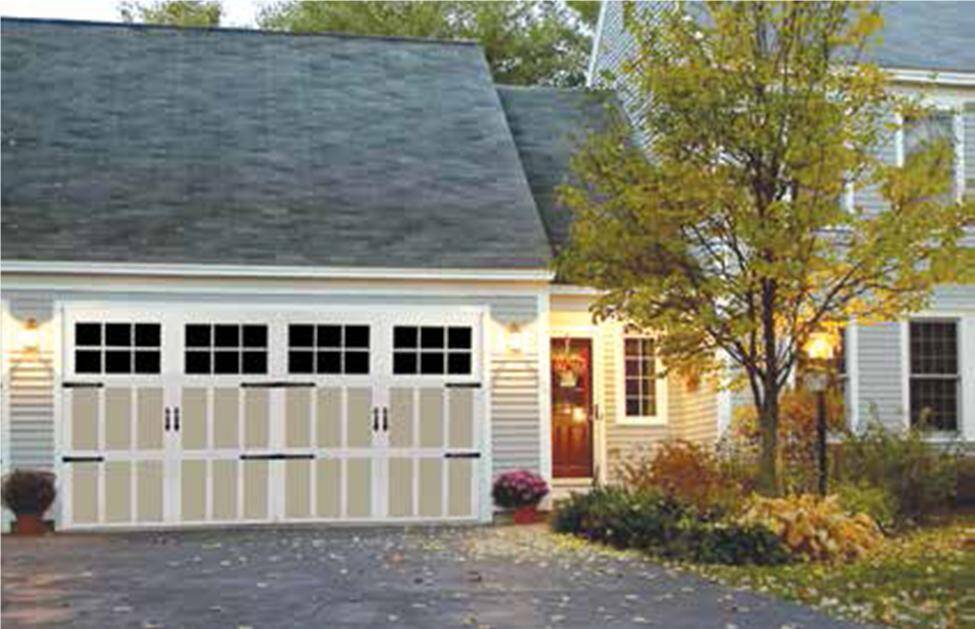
(814, 528)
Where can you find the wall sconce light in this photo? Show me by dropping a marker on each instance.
(30, 336)
(515, 339)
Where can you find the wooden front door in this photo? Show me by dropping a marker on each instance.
(572, 416)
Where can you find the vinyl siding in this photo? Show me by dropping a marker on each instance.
(515, 405)
(694, 410)
(880, 373)
(968, 131)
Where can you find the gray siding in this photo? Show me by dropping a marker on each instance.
(515, 406)
(968, 129)
(880, 373)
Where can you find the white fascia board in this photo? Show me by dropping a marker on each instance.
(287, 272)
(572, 289)
(935, 77)
(596, 42)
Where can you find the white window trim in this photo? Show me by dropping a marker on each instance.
(965, 430)
(622, 419)
(958, 143)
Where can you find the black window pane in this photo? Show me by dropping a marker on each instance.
(255, 336)
(254, 362)
(88, 361)
(404, 337)
(226, 336)
(459, 363)
(633, 407)
(459, 338)
(330, 336)
(431, 338)
(632, 367)
(147, 362)
(934, 347)
(329, 362)
(357, 336)
(301, 362)
(88, 334)
(404, 363)
(197, 362)
(198, 336)
(934, 403)
(631, 347)
(301, 335)
(431, 363)
(119, 361)
(118, 334)
(632, 386)
(357, 362)
(147, 334)
(226, 362)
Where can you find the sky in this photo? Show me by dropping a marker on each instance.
(236, 12)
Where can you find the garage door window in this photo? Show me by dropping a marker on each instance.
(328, 349)
(224, 348)
(431, 350)
(117, 348)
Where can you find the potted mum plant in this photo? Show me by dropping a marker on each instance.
(520, 490)
(29, 493)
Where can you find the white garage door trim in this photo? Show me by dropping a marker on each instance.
(278, 462)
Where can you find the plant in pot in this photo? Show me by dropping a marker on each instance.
(520, 490)
(29, 493)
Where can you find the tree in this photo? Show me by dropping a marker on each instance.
(525, 42)
(726, 228)
(206, 13)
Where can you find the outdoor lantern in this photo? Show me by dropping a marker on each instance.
(515, 339)
(820, 346)
(819, 349)
(29, 337)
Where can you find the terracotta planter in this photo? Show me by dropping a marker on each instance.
(29, 524)
(526, 515)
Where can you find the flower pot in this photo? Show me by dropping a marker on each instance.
(29, 524)
(526, 515)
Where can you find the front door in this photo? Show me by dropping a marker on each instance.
(572, 415)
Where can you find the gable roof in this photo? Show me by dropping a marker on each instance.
(548, 125)
(130, 143)
(926, 35)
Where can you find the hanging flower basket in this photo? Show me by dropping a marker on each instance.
(568, 367)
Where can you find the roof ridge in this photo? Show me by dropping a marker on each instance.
(238, 30)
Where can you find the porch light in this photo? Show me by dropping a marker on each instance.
(819, 349)
(29, 337)
(820, 346)
(515, 339)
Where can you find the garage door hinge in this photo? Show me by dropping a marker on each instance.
(268, 385)
(463, 385)
(279, 456)
(82, 385)
(82, 459)
(462, 455)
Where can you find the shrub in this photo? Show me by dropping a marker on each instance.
(651, 521)
(920, 477)
(814, 528)
(520, 488)
(687, 473)
(28, 492)
(863, 498)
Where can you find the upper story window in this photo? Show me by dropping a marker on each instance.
(934, 374)
(432, 350)
(921, 133)
(328, 349)
(117, 348)
(225, 348)
(642, 386)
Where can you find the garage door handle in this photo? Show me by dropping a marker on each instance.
(176, 419)
(375, 419)
(385, 419)
(166, 424)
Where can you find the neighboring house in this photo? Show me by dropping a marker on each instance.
(262, 277)
(892, 370)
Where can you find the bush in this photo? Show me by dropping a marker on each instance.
(687, 473)
(919, 476)
(651, 521)
(28, 492)
(862, 498)
(814, 528)
(520, 488)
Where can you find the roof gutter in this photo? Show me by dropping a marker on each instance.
(285, 272)
(933, 77)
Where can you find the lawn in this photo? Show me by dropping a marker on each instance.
(918, 578)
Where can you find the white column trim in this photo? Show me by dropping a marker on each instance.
(543, 341)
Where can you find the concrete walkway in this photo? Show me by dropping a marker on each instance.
(419, 577)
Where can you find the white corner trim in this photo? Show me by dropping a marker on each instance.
(596, 42)
(853, 374)
(544, 387)
(936, 77)
(233, 270)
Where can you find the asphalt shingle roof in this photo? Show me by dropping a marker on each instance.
(129, 143)
(927, 36)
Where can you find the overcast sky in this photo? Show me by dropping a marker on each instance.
(236, 12)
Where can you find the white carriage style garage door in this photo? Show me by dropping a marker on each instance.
(230, 415)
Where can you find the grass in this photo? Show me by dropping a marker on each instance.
(921, 578)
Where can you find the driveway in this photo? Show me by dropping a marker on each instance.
(421, 577)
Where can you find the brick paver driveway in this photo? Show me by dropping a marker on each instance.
(421, 577)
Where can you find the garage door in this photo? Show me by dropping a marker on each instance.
(233, 416)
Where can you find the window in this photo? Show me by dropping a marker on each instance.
(640, 377)
(328, 349)
(123, 348)
(934, 374)
(432, 350)
(225, 348)
(921, 133)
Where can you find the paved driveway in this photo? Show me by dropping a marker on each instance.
(421, 577)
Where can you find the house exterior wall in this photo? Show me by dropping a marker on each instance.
(878, 368)
(32, 379)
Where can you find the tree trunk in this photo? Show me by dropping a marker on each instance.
(768, 421)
